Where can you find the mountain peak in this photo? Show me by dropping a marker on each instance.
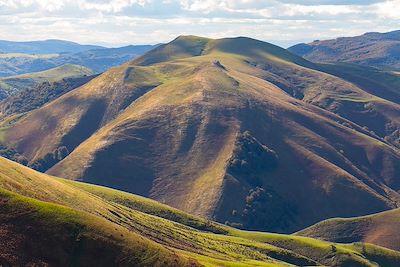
(190, 38)
(186, 46)
(181, 47)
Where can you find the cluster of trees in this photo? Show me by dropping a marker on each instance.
(251, 159)
(41, 165)
(264, 210)
(40, 94)
(50, 159)
(12, 154)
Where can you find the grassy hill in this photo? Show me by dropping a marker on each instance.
(384, 84)
(12, 64)
(64, 223)
(96, 59)
(235, 130)
(381, 229)
(39, 95)
(370, 49)
(14, 84)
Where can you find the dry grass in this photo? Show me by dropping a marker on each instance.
(165, 125)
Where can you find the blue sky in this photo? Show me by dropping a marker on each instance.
(122, 22)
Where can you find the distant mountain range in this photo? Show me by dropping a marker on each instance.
(44, 47)
(372, 49)
(235, 129)
(25, 57)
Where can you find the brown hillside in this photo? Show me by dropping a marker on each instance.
(370, 49)
(233, 129)
(381, 229)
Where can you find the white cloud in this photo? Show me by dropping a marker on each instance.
(388, 9)
(110, 6)
(152, 21)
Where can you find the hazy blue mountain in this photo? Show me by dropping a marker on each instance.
(44, 47)
(371, 49)
(98, 60)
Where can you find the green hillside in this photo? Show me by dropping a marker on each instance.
(13, 84)
(86, 225)
(36, 233)
(235, 130)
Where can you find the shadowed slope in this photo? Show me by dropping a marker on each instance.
(91, 223)
(249, 137)
(39, 95)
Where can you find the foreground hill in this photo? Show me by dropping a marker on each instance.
(98, 60)
(381, 229)
(236, 130)
(14, 84)
(55, 222)
(371, 49)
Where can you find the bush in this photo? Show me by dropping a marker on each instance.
(50, 159)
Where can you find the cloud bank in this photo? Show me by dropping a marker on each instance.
(120, 22)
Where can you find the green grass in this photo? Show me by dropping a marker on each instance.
(65, 237)
(172, 142)
(150, 206)
(119, 218)
(57, 73)
(17, 83)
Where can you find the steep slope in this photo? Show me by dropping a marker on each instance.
(98, 60)
(384, 84)
(91, 225)
(35, 233)
(14, 84)
(381, 229)
(235, 129)
(371, 49)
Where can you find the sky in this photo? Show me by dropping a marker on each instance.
(122, 22)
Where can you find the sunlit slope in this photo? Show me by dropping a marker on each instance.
(13, 84)
(381, 229)
(35, 233)
(88, 223)
(236, 130)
